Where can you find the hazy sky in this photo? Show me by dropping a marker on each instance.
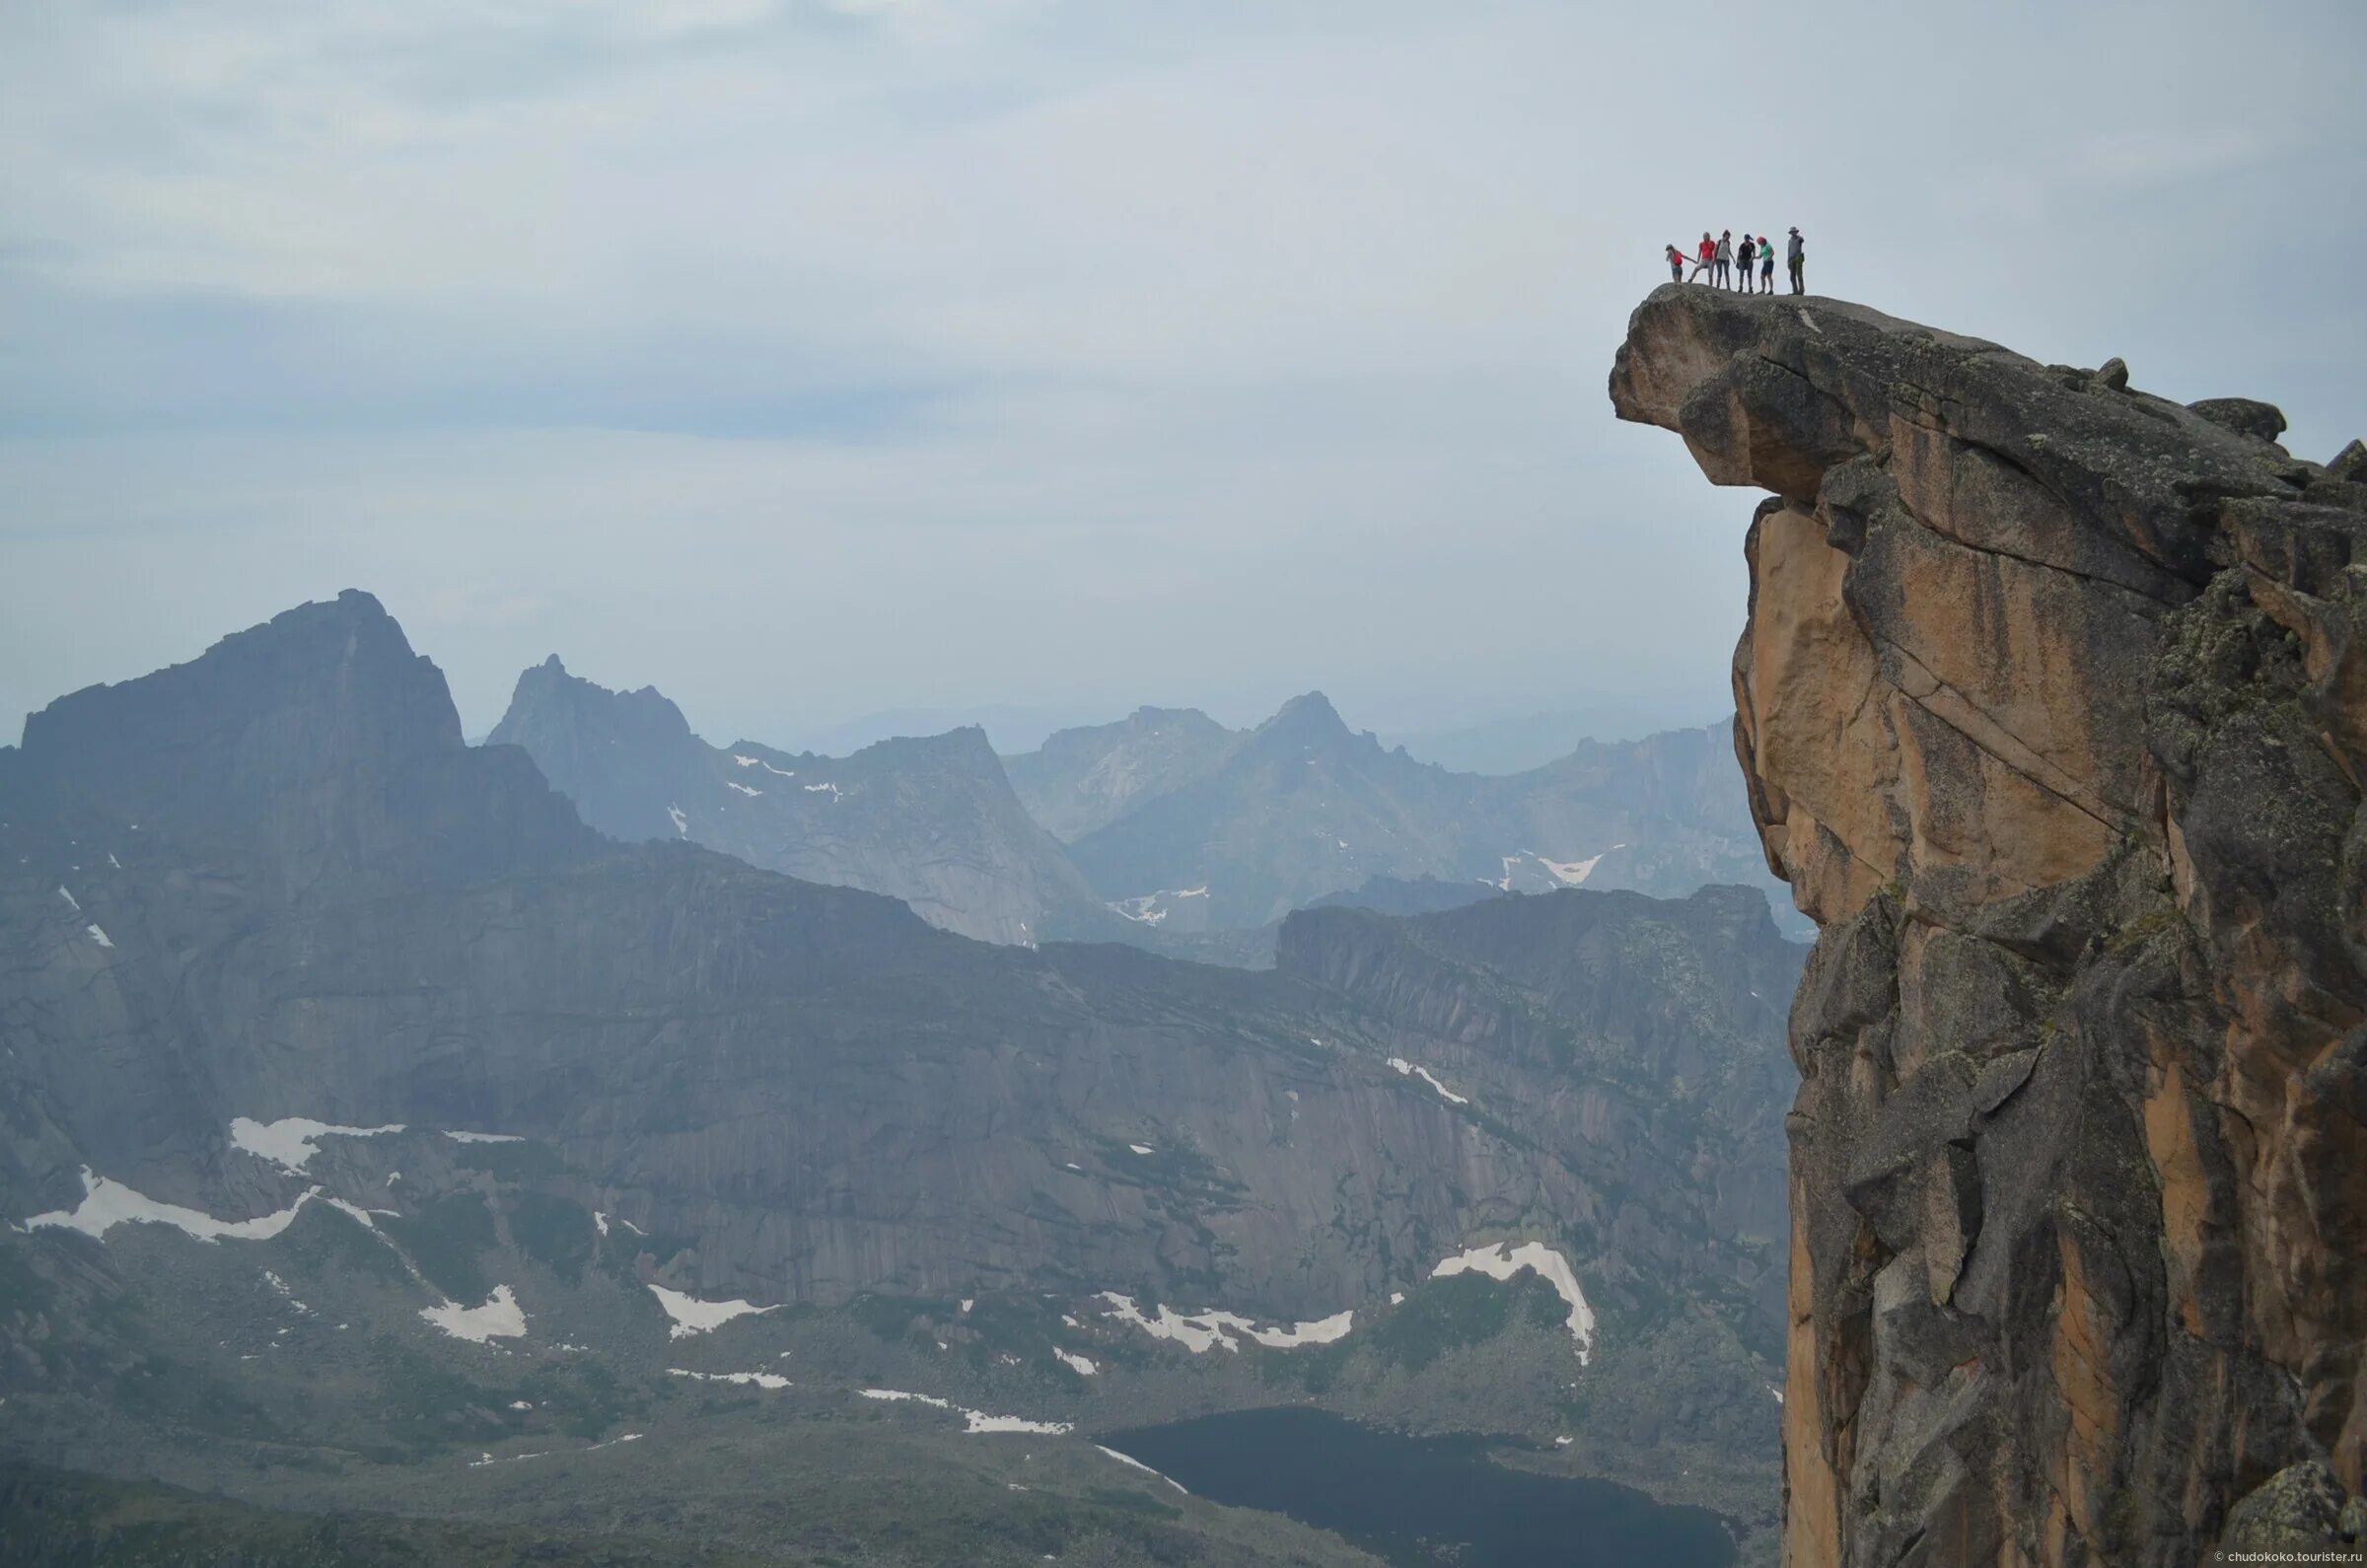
(818, 357)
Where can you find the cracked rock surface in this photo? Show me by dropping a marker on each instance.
(2052, 709)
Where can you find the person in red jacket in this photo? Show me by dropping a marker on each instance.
(1707, 254)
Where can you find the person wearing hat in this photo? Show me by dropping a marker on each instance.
(1795, 255)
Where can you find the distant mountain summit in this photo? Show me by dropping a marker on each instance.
(1083, 779)
(1245, 827)
(931, 820)
(319, 730)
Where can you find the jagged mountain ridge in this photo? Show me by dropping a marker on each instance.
(930, 820)
(329, 907)
(1303, 807)
(1085, 778)
(2053, 710)
(261, 955)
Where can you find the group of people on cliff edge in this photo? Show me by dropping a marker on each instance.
(1729, 266)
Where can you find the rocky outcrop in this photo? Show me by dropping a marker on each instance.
(2052, 709)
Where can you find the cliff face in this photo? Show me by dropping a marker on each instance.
(1640, 1022)
(2052, 709)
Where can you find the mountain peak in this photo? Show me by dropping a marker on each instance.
(318, 733)
(546, 694)
(324, 672)
(1309, 714)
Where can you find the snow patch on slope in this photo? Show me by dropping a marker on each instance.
(107, 1204)
(292, 1141)
(1203, 1332)
(1131, 1460)
(1405, 1068)
(499, 1317)
(761, 1379)
(1505, 1259)
(694, 1316)
(976, 1421)
(1153, 908)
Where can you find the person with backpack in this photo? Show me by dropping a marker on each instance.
(1723, 276)
(1707, 256)
(1676, 264)
(1746, 254)
(1796, 257)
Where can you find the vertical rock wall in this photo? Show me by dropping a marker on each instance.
(2053, 708)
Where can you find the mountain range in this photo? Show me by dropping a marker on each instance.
(932, 822)
(382, 1137)
(1163, 829)
(1172, 818)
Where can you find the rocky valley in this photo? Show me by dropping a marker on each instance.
(382, 1138)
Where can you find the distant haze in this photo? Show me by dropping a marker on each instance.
(821, 359)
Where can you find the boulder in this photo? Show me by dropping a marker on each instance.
(2246, 417)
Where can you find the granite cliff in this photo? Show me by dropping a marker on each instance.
(2052, 709)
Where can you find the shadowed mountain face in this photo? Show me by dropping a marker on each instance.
(550, 1078)
(1302, 807)
(932, 822)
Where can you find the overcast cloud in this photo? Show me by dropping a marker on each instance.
(810, 358)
